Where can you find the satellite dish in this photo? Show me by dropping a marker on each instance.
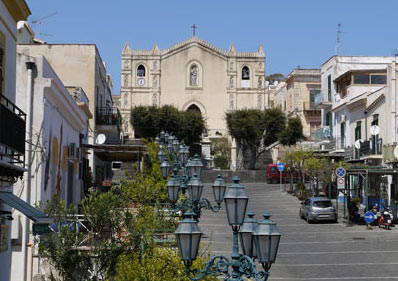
(357, 144)
(374, 130)
(101, 138)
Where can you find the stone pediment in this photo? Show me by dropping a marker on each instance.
(197, 41)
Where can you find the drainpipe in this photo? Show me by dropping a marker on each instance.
(28, 159)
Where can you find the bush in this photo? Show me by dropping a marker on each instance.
(163, 264)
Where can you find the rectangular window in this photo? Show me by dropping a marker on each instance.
(379, 79)
(358, 131)
(329, 88)
(313, 93)
(342, 135)
(361, 79)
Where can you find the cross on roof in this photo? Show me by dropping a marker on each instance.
(194, 27)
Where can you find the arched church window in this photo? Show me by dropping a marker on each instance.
(193, 81)
(245, 73)
(141, 71)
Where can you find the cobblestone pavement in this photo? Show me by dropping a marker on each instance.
(323, 251)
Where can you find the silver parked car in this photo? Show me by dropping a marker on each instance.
(317, 209)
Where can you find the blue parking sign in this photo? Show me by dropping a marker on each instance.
(281, 167)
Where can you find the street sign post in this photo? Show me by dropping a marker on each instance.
(369, 217)
(340, 172)
(340, 183)
(281, 168)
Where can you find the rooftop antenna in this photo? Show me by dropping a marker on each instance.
(339, 32)
(40, 20)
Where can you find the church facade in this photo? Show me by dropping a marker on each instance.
(193, 74)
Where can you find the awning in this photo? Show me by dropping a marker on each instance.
(25, 208)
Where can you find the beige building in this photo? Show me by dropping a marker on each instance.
(296, 97)
(193, 74)
(81, 65)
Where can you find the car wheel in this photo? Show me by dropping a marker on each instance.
(308, 219)
(274, 181)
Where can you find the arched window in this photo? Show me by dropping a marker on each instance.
(245, 73)
(193, 78)
(141, 71)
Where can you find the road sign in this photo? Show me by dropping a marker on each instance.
(340, 172)
(281, 166)
(340, 183)
(369, 217)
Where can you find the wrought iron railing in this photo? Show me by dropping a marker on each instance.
(107, 116)
(12, 132)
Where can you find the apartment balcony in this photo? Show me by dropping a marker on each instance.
(351, 154)
(323, 134)
(107, 120)
(371, 149)
(336, 144)
(310, 111)
(12, 140)
(321, 101)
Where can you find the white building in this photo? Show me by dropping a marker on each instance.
(350, 86)
(81, 65)
(59, 128)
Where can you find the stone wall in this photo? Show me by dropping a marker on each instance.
(208, 176)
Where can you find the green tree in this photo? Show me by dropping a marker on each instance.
(274, 77)
(247, 127)
(292, 133)
(149, 121)
(252, 129)
(274, 125)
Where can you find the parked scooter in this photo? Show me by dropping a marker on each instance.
(385, 220)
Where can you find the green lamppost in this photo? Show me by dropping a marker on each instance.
(266, 241)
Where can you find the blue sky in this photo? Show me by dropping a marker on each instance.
(292, 32)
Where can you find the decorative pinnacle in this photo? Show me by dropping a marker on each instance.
(188, 215)
(236, 179)
(266, 215)
(251, 214)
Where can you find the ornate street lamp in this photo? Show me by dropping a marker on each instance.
(183, 154)
(236, 200)
(196, 166)
(219, 187)
(188, 167)
(176, 145)
(161, 155)
(165, 168)
(166, 138)
(246, 235)
(266, 235)
(266, 239)
(195, 188)
(161, 136)
(188, 238)
(173, 186)
(171, 139)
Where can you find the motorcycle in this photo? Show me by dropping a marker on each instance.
(385, 220)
